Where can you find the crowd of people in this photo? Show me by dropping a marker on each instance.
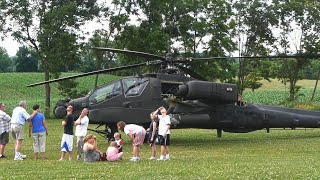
(158, 132)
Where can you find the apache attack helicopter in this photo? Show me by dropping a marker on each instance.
(191, 101)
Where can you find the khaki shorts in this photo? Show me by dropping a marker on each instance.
(17, 131)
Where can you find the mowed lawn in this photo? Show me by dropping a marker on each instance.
(195, 154)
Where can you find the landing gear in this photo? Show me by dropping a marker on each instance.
(107, 133)
(113, 129)
(219, 133)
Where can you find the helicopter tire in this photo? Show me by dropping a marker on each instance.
(60, 111)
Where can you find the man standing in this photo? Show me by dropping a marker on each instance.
(4, 129)
(81, 131)
(19, 118)
(67, 137)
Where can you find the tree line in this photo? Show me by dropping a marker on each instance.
(55, 39)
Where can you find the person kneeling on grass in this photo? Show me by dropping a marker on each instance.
(112, 152)
(136, 134)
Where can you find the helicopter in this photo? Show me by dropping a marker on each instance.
(192, 102)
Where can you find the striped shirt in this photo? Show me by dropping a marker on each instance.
(4, 122)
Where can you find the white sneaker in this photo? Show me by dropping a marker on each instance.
(167, 159)
(152, 158)
(23, 156)
(18, 158)
(134, 159)
(160, 159)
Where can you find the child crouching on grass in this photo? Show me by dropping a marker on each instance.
(112, 152)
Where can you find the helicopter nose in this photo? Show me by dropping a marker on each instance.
(60, 111)
(79, 103)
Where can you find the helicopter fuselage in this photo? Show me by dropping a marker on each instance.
(191, 104)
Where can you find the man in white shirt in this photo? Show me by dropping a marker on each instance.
(19, 118)
(81, 131)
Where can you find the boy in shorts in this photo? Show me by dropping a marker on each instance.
(164, 133)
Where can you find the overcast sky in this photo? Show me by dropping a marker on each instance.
(11, 46)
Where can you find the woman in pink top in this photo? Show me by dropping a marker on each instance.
(112, 152)
(136, 134)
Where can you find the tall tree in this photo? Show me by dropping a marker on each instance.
(51, 28)
(191, 28)
(255, 19)
(99, 59)
(297, 22)
(6, 64)
(26, 60)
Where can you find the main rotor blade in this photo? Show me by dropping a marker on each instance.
(91, 73)
(311, 56)
(137, 53)
(191, 73)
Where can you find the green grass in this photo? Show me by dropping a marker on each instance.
(195, 154)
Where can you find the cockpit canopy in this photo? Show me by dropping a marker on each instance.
(129, 87)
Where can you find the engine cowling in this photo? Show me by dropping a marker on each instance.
(193, 90)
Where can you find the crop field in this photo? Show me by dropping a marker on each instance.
(13, 88)
(195, 153)
(275, 93)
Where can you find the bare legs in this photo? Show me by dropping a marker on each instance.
(63, 155)
(136, 150)
(18, 145)
(2, 146)
(154, 150)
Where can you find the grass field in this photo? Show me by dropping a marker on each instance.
(195, 154)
